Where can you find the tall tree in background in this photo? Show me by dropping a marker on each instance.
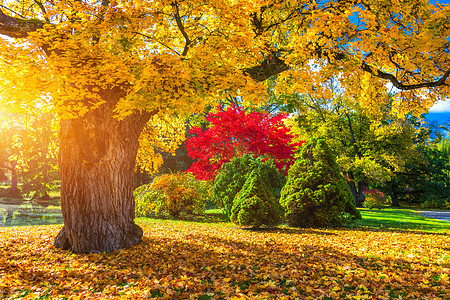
(426, 181)
(8, 164)
(28, 150)
(370, 147)
(107, 67)
(39, 155)
(444, 146)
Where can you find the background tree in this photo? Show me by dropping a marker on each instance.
(28, 151)
(10, 127)
(370, 146)
(96, 61)
(426, 181)
(39, 156)
(8, 165)
(3, 176)
(412, 182)
(444, 146)
(232, 133)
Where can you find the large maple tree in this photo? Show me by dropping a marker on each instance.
(108, 67)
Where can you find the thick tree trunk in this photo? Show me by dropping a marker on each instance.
(353, 190)
(97, 159)
(361, 196)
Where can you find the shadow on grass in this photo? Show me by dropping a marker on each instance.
(204, 218)
(389, 219)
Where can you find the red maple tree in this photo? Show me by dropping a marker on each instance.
(233, 132)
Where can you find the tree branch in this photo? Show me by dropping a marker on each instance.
(406, 87)
(182, 29)
(159, 42)
(18, 28)
(42, 8)
(269, 67)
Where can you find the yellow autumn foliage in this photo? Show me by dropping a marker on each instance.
(162, 134)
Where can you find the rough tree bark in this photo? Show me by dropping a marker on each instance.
(97, 160)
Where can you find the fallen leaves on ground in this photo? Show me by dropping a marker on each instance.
(186, 260)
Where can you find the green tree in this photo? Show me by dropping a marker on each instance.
(8, 151)
(39, 153)
(29, 151)
(316, 193)
(444, 147)
(427, 180)
(370, 147)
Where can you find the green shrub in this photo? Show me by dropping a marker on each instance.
(374, 199)
(148, 202)
(316, 194)
(172, 194)
(256, 204)
(232, 176)
(434, 201)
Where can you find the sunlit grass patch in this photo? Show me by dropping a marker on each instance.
(400, 219)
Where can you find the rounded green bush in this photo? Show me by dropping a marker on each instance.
(256, 204)
(233, 175)
(316, 194)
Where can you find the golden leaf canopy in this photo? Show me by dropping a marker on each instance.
(175, 56)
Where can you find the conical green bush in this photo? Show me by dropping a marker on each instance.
(316, 194)
(256, 203)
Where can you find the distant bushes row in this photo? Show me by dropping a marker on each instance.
(252, 192)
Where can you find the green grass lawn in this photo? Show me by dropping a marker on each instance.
(376, 219)
(399, 219)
